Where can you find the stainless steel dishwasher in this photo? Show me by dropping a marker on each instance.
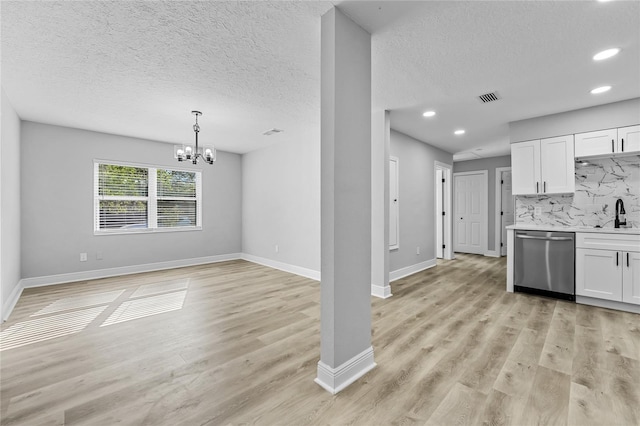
(545, 263)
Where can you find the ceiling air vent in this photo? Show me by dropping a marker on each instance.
(489, 97)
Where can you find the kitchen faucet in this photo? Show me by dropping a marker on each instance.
(620, 220)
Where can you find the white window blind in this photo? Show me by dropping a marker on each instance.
(134, 198)
(177, 198)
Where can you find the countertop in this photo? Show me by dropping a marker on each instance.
(628, 231)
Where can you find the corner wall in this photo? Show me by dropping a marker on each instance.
(9, 208)
(416, 198)
(489, 164)
(57, 204)
(281, 206)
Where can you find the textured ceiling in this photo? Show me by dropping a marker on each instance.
(139, 68)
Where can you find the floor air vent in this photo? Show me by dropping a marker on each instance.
(489, 97)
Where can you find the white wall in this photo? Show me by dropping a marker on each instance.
(281, 203)
(608, 116)
(489, 164)
(9, 206)
(57, 204)
(416, 198)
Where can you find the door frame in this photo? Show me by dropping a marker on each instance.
(396, 204)
(447, 208)
(485, 196)
(498, 197)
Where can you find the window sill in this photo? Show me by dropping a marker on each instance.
(148, 231)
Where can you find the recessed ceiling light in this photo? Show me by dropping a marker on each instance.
(605, 54)
(429, 114)
(272, 131)
(459, 132)
(601, 89)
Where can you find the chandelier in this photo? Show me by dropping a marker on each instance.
(189, 153)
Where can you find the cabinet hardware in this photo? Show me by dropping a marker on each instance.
(627, 260)
(612, 149)
(617, 253)
(622, 144)
(544, 186)
(532, 237)
(536, 187)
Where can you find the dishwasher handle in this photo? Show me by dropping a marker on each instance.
(531, 237)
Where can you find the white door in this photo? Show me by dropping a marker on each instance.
(525, 165)
(631, 278)
(394, 225)
(598, 274)
(596, 143)
(439, 217)
(557, 165)
(470, 212)
(506, 217)
(629, 139)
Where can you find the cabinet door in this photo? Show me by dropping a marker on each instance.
(599, 274)
(525, 168)
(629, 139)
(601, 142)
(631, 278)
(557, 165)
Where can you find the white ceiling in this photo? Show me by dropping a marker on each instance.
(139, 68)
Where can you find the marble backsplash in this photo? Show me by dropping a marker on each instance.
(598, 185)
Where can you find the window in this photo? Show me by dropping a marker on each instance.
(135, 198)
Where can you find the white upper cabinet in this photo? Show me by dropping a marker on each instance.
(544, 166)
(525, 167)
(558, 165)
(596, 143)
(624, 140)
(629, 139)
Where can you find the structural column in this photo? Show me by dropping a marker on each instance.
(346, 353)
(380, 136)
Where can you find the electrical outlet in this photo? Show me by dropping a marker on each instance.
(83, 257)
(277, 248)
(418, 250)
(537, 211)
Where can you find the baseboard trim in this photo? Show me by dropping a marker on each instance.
(410, 270)
(124, 270)
(11, 301)
(380, 291)
(286, 267)
(609, 304)
(336, 379)
(492, 253)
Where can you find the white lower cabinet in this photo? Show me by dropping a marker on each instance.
(631, 278)
(598, 275)
(608, 267)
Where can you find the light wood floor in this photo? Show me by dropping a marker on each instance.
(236, 343)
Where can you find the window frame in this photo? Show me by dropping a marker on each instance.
(151, 199)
